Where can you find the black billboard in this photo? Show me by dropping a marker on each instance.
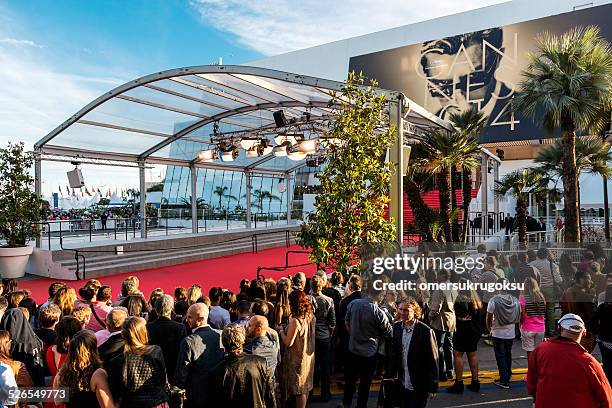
(479, 69)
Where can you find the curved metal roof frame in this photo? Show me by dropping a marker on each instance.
(257, 82)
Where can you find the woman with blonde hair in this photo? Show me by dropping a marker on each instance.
(64, 299)
(138, 375)
(83, 375)
(533, 314)
(193, 294)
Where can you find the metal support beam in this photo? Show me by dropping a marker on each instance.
(495, 197)
(38, 184)
(484, 193)
(395, 156)
(289, 196)
(247, 175)
(143, 200)
(194, 198)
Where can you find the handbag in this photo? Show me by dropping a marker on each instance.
(176, 395)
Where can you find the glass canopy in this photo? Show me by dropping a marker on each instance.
(171, 116)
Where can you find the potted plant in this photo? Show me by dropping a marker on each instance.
(19, 208)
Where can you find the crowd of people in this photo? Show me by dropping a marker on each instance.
(271, 343)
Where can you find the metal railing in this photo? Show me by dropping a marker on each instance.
(127, 228)
(79, 253)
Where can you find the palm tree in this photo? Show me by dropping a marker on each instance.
(568, 85)
(260, 195)
(222, 193)
(592, 156)
(200, 202)
(472, 123)
(444, 151)
(520, 184)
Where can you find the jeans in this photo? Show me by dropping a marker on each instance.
(445, 351)
(323, 364)
(606, 359)
(357, 366)
(413, 399)
(549, 295)
(503, 356)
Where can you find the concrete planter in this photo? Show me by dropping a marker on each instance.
(13, 261)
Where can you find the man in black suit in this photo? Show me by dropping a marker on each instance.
(412, 358)
(198, 354)
(115, 343)
(166, 333)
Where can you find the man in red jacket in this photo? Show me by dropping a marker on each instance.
(562, 374)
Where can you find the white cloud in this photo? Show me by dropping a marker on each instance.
(276, 26)
(20, 43)
(36, 98)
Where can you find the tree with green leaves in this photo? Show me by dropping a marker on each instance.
(19, 205)
(519, 184)
(444, 151)
(221, 192)
(568, 85)
(350, 210)
(592, 156)
(259, 196)
(200, 203)
(471, 123)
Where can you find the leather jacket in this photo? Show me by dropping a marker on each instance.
(242, 381)
(422, 357)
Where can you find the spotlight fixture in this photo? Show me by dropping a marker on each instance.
(281, 149)
(297, 156)
(248, 143)
(252, 152)
(207, 155)
(229, 155)
(308, 146)
(292, 139)
(261, 149)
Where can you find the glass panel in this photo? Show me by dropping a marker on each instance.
(214, 100)
(97, 138)
(135, 115)
(163, 98)
(288, 89)
(223, 91)
(253, 90)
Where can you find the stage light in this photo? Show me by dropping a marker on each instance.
(207, 155)
(248, 143)
(280, 139)
(308, 146)
(229, 155)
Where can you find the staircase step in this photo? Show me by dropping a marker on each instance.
(161, 260)
(101, 257)
(144, 255)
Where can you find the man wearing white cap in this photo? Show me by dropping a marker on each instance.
(563, 374)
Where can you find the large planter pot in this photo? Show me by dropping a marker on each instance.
(13, 261)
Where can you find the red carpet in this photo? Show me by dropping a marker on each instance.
(224, 271)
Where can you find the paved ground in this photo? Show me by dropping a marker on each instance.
(489, 396)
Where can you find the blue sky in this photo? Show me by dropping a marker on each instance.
(58, 55)
(132, 37)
